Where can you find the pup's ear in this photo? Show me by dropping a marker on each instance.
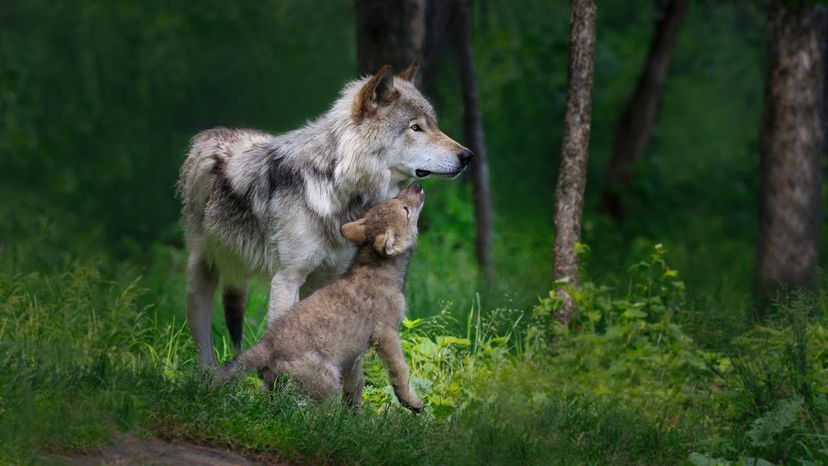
(378, 91)
(384, 243)
(354, 231)
(409, 73)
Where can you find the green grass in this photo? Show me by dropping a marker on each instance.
(87, 361)
(93, 350)
(649, 374)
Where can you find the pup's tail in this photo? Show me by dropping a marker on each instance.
(253, 359)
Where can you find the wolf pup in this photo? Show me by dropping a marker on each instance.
(256, 204)
(324, 335)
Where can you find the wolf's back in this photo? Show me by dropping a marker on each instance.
(209, 151)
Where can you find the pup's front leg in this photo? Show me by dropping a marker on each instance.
(353, 381)
(389, 348)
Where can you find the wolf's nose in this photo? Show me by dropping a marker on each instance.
(465, 156)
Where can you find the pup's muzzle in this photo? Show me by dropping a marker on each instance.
(414, 192)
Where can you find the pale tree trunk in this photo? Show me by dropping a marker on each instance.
(636, 122)
(388, 32)
(792, 148)
(474, 137)
(569, 194)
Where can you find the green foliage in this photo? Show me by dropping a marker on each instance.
(628, 347)
(769, 426)
(90, 355)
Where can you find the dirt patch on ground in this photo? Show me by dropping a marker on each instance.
(134, 450)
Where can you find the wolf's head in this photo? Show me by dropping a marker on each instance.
(391, 112)
(390, 226)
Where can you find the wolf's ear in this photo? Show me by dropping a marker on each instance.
(385, 242)
(354, 231)
(378, 91)
(409, 73)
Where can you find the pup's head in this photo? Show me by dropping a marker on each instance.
(390, 108)
(390, 226)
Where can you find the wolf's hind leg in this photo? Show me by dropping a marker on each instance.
(235, 303)
(353, 380)
(202, 280)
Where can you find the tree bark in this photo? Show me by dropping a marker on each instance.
(792, 148)
(388, 32)
(473, 135)
(569, 194)
(636, 122)
(439, 15)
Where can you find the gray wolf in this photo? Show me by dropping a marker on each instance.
(262, 205)
(324, 335)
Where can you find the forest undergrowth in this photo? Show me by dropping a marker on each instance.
(95, 347)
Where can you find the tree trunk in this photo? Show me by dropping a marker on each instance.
(569, 194)
(439, 15)
(792, 148)
(635, 125)
(388, 32)
(474, 137)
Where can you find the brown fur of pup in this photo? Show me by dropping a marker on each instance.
(321, 339)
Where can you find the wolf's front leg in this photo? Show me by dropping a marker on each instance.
(284, 292)
(389, 349)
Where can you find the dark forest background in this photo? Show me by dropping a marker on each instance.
(99, 101)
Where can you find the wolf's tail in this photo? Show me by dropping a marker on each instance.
(253, 359)
(195, 178)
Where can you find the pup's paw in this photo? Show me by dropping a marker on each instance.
(223, 375)
(413, 403)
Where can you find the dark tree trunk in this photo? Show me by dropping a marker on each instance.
(635, 126)
(569, 194)
(388, 32)
(439, 15)
(792, 148)
(474, 137)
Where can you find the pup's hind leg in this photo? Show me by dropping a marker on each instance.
(257, 357)
(235, 303)
(320, 380)
(202, 280)
(353, 380)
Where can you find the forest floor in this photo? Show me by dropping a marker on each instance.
(132, 449)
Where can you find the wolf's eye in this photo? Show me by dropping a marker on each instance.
(407, 212)
(416, 128)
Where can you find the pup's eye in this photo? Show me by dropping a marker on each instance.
(407, 212)
(415, 127)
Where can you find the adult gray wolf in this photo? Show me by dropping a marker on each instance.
(256, 204)
(324, 335)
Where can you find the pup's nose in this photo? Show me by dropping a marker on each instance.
(465, 156)
(416, 187)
